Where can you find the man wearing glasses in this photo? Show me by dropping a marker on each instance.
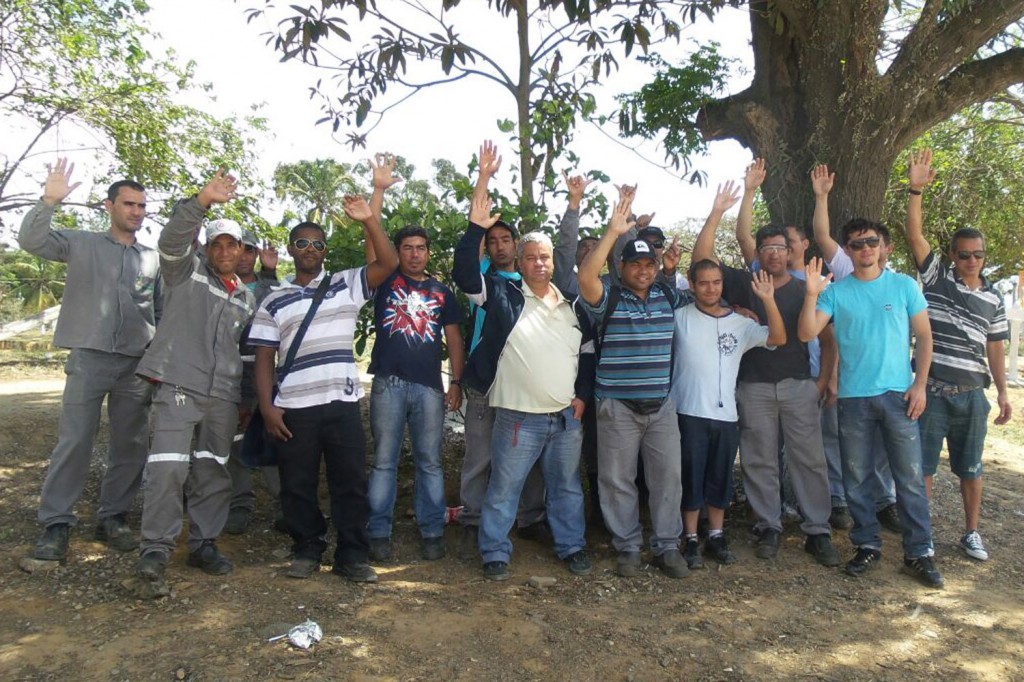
(969, 324)
(316, 410)
(873, 312)
(776, 390)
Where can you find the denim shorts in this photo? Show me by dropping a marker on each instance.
(962, 421)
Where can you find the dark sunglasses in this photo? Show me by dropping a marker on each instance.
(303, 244)
(967, 255)
(859, 244)
(655, 244)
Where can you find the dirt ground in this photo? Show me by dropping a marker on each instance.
(757, 620)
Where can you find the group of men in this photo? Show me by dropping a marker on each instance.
(634, 371)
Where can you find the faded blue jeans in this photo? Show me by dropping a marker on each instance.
(858, 419)
(520, 439)
(394, 403)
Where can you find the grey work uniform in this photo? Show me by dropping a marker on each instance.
(195, 360)
(107, 318)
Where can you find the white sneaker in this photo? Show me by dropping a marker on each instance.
(971, 543)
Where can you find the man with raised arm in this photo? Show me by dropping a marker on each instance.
(499, 258)
(776, 390)
(412, 311)
(841, 265)
(968, 327)
(107, 318)
(874, 312)
(535, 365)
(634, 323)
(709, 342)
(315, 414)
(195, 362)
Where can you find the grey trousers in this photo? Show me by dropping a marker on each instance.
(174, 469)
(92, 376)
(793, 403)
(476, 468)
(621, 435)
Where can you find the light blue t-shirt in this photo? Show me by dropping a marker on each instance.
(872, 328)
(477, 314)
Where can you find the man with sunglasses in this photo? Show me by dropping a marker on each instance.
(874, 312)
(315, 414)
(969, 327)
(776, 391)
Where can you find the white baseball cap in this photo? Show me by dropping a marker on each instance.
(221, 226)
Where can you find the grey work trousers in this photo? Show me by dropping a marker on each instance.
(173, 468)
(621, 435)
(476, 468)
(93, 375)
(793, 403)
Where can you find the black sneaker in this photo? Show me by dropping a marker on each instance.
(691, 552)
(208, 559)
(768, 544)
(52, 545)
(671, 563)
(433, 548)
(864, 560)
(820, 547)
(302, 568)
(356, 572)
(628, 564)
(496, 570)
(840, 518)
(889, 517)
(380, 549)
(238, 520)
(923, 568)
(578, 563)
(717, 548)
(115, 531)
(151, 566)
(469, 544)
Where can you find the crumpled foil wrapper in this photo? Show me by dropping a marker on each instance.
(303, 635)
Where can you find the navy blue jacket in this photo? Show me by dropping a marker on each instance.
(503, 300)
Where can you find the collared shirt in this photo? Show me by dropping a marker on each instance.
(110, 299)
(324, 369)
(537, 369)
(963, 321)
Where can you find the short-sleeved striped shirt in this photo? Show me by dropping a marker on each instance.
(636, 352)
(324, 369)
(963, 321)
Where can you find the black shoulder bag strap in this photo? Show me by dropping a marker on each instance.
(293, 349)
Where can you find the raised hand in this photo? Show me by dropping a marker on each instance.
(480, 212)
(815, 283)
(220, 190)
(626, 192)
(821, 180)
(671, 255)
(490, 162)
(576, 185)
(764, 286)
(755, 175)
(920, 171)
(644, 220)
(726, 197)
(620, 222)
(57, 185)
(357, 208)
(268, 256)
(383, 166)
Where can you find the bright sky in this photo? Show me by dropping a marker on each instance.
(443, 122)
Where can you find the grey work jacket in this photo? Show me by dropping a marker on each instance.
(111, 295)
(196, 344)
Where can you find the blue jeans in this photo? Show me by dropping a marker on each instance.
(518, 440)
(858, 419)
(393, 403)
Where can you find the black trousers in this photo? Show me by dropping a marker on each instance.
(334, 430)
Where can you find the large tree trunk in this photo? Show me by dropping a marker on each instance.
(818, 95)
